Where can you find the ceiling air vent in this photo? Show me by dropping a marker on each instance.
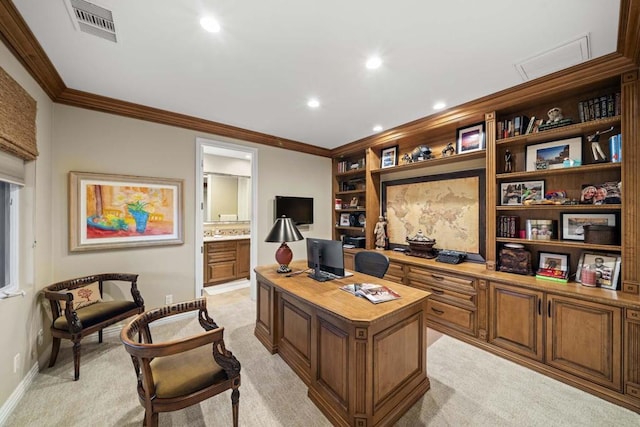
(556, 59)
(92, 19)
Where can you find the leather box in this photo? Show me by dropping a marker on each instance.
(515, 260)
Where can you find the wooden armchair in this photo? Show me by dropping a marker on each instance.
(176, 374)
(78, 309)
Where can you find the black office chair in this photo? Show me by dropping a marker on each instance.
(371, 263)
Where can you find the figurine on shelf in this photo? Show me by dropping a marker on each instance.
(508, 161)
(555, 115)
(418, 154)
(596, 150)
(381, 233)
(449, 150)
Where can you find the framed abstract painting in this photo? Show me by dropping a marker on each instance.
(117, 211)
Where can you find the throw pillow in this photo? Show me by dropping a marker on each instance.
(83, 296)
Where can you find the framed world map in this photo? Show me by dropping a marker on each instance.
(447, 207)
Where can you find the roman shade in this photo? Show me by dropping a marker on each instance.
(17, 119)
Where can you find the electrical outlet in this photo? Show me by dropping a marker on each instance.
(16, 362)
(168, 299)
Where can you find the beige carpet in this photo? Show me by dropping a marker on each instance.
(469, 387)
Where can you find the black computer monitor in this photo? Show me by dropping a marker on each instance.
(324, 256)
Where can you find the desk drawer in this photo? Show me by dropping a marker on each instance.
(447, 295)
(441, 280)
(453, 317)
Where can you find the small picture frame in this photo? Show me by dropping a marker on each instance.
(389, 157)
(606, 266)
(552, 155)
(573, 223)
(553, 261)
(354, 202)
(470, 138)
(344, 220)
(516, 193)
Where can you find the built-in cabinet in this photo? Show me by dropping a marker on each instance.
(586, 337)
(226, 260)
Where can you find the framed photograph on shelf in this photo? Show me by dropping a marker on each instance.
(606, 267)
(470, 138)
(354, 202)
(516, 193)
(389, 157)
(554, 261)
(552, 155)
(344, 220)
(573, 223)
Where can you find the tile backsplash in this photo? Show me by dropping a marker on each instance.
(227, 229)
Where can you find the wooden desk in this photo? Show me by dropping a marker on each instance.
(365, 364)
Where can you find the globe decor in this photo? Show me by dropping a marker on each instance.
(113, 211)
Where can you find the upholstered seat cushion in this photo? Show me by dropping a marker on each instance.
(185, 373)
(96, 313)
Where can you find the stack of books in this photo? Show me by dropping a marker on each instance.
(554, 274)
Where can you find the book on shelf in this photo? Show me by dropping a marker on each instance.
(508, 226)
(599, 107)
(554, 274)
(374, 293)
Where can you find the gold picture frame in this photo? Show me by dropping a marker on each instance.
(117, 211)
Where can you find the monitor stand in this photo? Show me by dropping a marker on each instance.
(317, 273)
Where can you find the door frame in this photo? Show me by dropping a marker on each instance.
(201, 143)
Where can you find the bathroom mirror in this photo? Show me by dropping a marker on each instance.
(227, 198)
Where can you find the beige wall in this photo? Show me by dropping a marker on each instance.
(21, 317)
(103, 143)
(73, 139)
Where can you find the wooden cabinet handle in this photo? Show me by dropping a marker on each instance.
(437, 291)
(437, 311)
(435, 276)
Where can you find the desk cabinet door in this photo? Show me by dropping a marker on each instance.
(584, 339)
(516, 320)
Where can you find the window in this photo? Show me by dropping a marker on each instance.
(9, 236)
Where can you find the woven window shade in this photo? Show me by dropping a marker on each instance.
(17, 119)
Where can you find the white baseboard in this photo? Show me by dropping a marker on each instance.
(18, 393)
(226, 287)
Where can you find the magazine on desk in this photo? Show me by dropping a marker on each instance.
(372, 292)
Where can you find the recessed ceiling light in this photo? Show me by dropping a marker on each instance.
(439, 105)
(377, 128)
(374, 62)
(313, 103)
(210, 24)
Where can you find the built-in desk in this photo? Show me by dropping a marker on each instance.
(365, 364)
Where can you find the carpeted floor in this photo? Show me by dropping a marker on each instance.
(469, 387)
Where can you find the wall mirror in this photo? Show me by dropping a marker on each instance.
(226, 197)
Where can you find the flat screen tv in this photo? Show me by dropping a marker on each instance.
(299, 209)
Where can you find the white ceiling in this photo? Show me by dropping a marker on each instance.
(272, 55)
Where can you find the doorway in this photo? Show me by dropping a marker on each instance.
(204, 149)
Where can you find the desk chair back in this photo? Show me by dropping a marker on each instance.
(371, 263)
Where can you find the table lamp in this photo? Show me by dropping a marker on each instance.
(284, 231)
